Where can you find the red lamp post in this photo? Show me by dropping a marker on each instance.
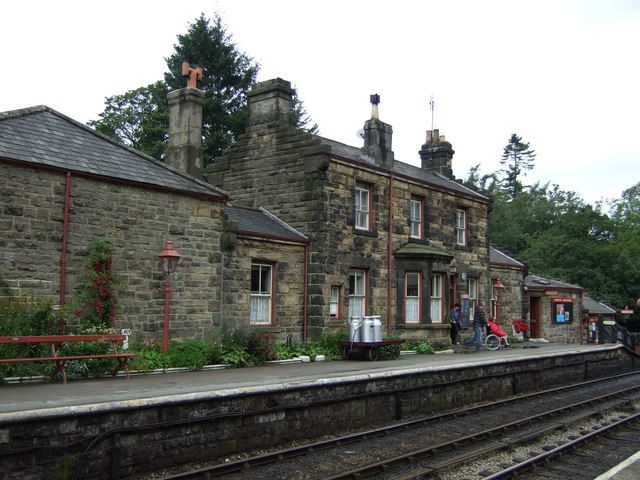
(169, 258)
(498, 287)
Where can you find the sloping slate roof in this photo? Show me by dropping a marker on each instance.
(40, 135)
(596, 307)
(401, 168)
(534, 281)
(496, 256)
(262, 223)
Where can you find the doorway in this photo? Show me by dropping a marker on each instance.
(534, 317)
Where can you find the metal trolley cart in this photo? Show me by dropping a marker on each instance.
(369, 349)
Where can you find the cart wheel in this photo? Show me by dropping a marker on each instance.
(345, 353)
(372, 354)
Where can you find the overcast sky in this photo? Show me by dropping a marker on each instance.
(563, 75)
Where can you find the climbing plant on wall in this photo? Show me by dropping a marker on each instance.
(97, 304)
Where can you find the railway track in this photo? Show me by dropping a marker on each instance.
(487, 440)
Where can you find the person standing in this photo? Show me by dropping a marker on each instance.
(454, 320)
(478, 327)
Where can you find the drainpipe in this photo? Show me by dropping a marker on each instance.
(65, 231)
(389, 255)
(306, 290)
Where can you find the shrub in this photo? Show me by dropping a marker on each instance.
(237, 356)
(262, 347)
(421, 347)
(191, 354)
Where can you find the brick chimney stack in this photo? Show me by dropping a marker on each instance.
(184, 151)
(270, 101)
(378, 136)
(437, 154)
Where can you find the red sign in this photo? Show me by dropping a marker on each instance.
(562, 300)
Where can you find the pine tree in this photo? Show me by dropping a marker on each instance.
(517, 159)
(140, 118)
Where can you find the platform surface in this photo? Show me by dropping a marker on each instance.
(27, 401)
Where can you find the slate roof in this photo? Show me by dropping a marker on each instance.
(43, 136)
(404, 169)
(534, 282)
(261, 223)
(595, 307)
(501, 258)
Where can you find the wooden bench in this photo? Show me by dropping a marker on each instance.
(60, 361)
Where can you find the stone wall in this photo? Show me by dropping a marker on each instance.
(511, 297)
(138, 221)
(216, 425)
(288, 262)
(292, 175)
(559, 332)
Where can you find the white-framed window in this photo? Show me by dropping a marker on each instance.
(362, 204)
(436, 298)
(334, 302)
(472, 286)
(494, 302)
(461, 227)
(357, 293)
(412, 302)
(261, 294)
(415, 218)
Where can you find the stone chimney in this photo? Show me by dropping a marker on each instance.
(377, 136)
(184, 151)
(436, 154)
(270, 101)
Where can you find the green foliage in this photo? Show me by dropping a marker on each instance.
(191, 354)
(262, 347)
(421, 347)
(140, 118)
(236, 356)
(36, 317)
(151, 359)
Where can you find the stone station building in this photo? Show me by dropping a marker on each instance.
(386, 238)
(62, 185)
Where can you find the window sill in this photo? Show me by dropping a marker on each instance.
(266, 328)
(421, 241)
(423, 326)
(464, 248)
(365, 233)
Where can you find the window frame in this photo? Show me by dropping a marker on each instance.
(419, 221)
(271, 296)
(419, 297)
(359, 189)
(337, 302)
(461, 230)
(440, 298)
(473, 296)
(355, 272)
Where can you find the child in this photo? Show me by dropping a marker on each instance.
(492, 327)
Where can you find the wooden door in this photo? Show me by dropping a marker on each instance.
(534, 317)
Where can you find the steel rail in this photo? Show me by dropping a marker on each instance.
(545, 457)
(281, 455)
(412, 457)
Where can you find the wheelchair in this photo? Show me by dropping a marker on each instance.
(494, 342)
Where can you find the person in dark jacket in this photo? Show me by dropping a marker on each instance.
(478, 327)
(454, 320)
